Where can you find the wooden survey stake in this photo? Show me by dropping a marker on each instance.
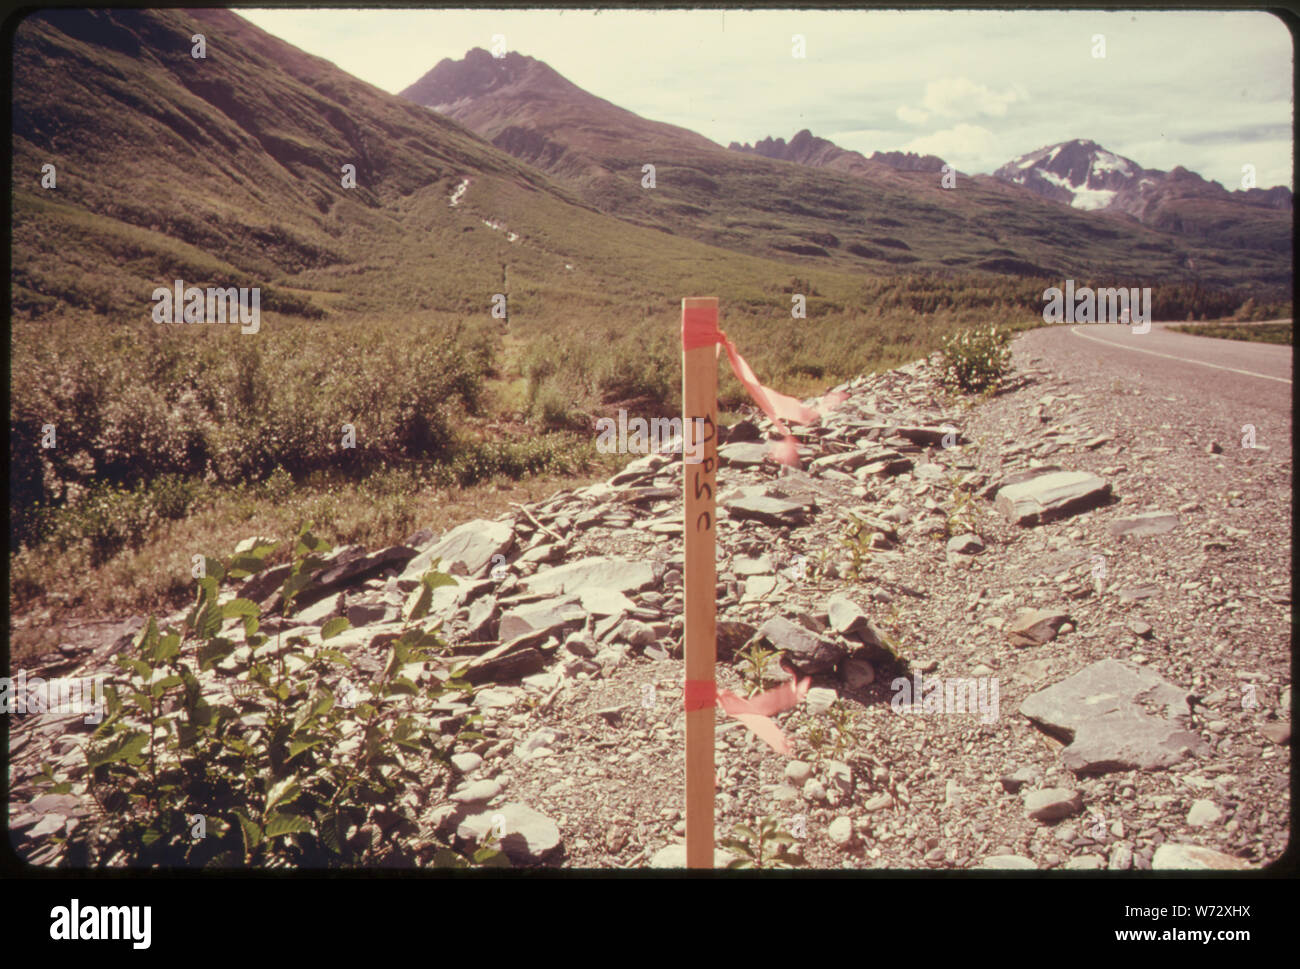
(699, 464)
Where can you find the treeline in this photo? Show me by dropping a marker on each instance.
(930, 292)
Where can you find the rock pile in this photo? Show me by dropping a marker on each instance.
(922, 542)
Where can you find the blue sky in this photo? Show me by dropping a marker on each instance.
(1209, 91)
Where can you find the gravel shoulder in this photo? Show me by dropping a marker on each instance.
(1165, 597)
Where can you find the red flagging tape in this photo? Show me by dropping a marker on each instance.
(700, 329)
(755, 712)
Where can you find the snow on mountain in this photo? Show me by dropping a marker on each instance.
(1086, 176)
(1079, 173)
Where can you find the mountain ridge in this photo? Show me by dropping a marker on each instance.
(805, 148)
(1084, 175)
(811, 199)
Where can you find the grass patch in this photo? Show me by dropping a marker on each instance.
(1249, 332)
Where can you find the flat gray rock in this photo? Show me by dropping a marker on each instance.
(547, 615)
(929, 435)
(965, 545)
(597, 572)
(605, 602)
(355, 567)
(479, 792)
(1049, 495)
(744, 455)
(1033, 627)
(848, 619)
(744, 565)
(769, 511)
(471, 546)
(1103, 712)
(808, 652)
(529, 836)
(1176, 857)
(1148, 523)
(1052, 804)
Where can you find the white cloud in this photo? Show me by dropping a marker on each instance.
(912, 115)
(970, 148)
(960, 97)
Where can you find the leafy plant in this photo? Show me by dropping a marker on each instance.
(857, 538)
(756, 663)
(835, 736)
(762, 845)
(295, 768)
(963, 517)
(975, 360)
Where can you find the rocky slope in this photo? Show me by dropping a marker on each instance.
(805, 148)
(1107, 573)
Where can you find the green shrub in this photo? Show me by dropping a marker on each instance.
(299, 759)
(976, 360)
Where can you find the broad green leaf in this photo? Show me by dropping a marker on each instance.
(257, 546)
(331, 834)
(334, 626)
(214, 651)
(208, 589)
(209, 621)
(213, 568)
(165, 684)
(240, 607)
(402, 685)
(433, 579)
(418, 603)
(446, 858)
(168, 646)
(491, 858)
(242, 566)
(323, 702)
(306, 743)
(280, 824)
(251, 831)
(282, 791)
(147, 640)
(186, 735)
(125, 747)
(745, 831)
(294, 584)
(141, 701)
(335, 656)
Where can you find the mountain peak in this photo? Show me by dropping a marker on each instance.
(1080, 173)
(480, 72)
(805, 148)
(1084, 175)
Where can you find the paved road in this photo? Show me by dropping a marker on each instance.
(1231, 373)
